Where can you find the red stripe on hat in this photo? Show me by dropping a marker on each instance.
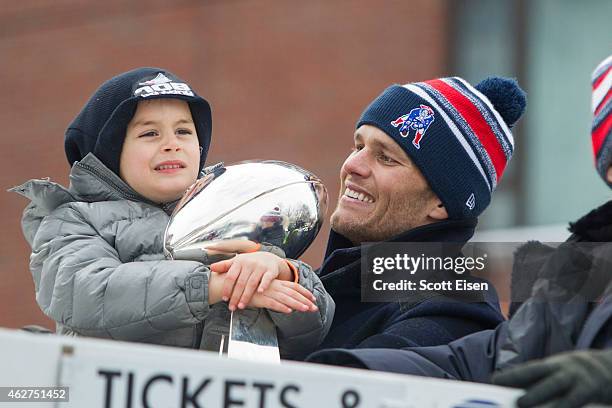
(477, 122)
(601, 77)
(599, 107)
(599, 135)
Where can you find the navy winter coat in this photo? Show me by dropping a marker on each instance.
(557, 318)
(359, 325)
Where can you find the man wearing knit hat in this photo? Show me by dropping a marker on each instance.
(602, 119)
(566, 318)
(427, 157)
(583, 376)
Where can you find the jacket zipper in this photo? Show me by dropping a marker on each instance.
(198, 330)
(167, 207)
(110, 183)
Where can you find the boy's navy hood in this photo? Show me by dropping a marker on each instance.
(100, 127)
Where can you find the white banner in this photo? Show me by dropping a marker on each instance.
(105, 374)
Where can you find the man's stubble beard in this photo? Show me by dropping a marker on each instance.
(381, 228)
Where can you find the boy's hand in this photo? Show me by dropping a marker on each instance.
(247, 273)
(284, 297)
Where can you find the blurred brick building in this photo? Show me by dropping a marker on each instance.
(286, 80)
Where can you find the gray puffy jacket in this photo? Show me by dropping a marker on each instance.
(99, 270)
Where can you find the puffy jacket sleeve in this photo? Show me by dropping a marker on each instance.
(81, 283)
(299, 333)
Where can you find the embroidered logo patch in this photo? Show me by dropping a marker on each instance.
(417, 119)
(162, 85)
(159, 79)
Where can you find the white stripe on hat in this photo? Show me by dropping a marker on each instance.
(498, 117)
(458, 135)
(599, 69)
(602, 90)
(465, 128)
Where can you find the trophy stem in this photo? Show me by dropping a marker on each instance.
(253, 339)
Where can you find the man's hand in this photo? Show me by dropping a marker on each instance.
(233, 246)
(566, 380)
(282, 296)
(247, 273)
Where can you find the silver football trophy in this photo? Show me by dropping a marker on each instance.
(258, 202)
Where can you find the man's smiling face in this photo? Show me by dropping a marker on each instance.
(382, 192)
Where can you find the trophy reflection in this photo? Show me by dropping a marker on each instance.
(235, 209)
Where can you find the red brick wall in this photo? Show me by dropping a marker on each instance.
(286, 80)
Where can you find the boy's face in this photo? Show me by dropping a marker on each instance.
(161, 153)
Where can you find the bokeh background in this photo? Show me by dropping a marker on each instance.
(287, 80)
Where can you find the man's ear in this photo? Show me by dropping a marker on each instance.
(439, 212)
(609, 174)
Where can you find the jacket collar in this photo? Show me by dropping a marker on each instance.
(92, 181)
(596, 226)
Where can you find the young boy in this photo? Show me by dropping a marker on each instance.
(97, 247)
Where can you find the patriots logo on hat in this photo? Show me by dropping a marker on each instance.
(159, 79)
(417, 119)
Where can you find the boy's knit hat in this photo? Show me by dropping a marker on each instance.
(456, 134)
(602, 119)
(101, 126)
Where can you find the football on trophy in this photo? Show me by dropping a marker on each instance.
(238, 207)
